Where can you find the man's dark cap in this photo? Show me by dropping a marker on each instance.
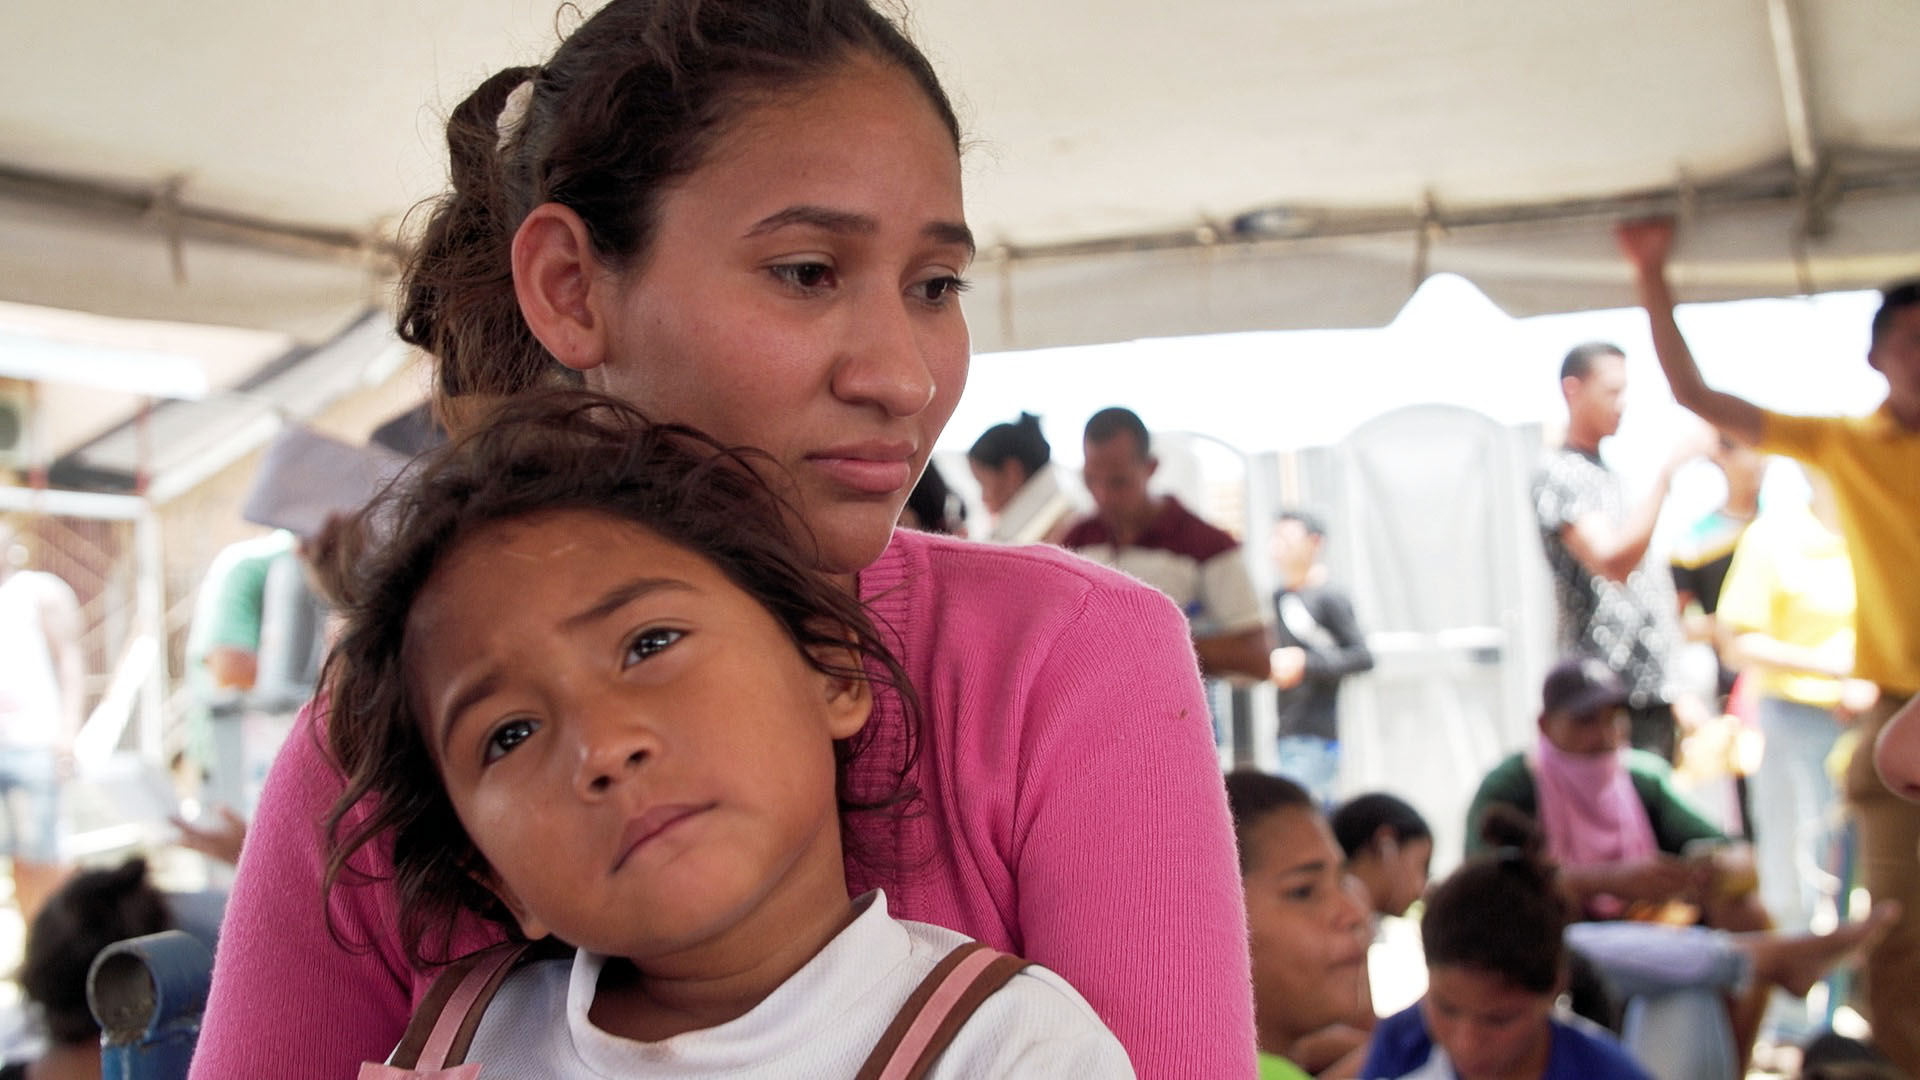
(1581, 684)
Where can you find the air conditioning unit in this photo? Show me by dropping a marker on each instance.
(15, 404)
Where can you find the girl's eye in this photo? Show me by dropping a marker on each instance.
(507, 736)
(939, 290)
(805, 276)
(649, 643)
(1301, 892)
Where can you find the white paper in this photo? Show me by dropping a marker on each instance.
(307, 477)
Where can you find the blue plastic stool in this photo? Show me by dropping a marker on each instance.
(148, 994)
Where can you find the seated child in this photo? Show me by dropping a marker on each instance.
(1671, 979)
(1496, 963)
(92, 910)
(1389, 848)
(590, 687)
(1309, 931)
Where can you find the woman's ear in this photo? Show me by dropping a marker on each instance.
(556, 277)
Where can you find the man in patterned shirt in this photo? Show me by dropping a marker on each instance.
(1613, 604)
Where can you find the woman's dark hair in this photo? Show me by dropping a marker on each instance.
(90, 912)
(1254, 796)
(567, 450)
(1501, 912)
(1361, 818)
(629, 103)
(936, 509)
(1020, 441)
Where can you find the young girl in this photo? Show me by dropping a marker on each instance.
(92, 910)
(1496, 964)
(746, 216)
(591, 688)
(1309, 932)
(1389, 847)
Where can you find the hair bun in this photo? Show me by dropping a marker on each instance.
(128, 876)
(1516, 841)
(475, 131)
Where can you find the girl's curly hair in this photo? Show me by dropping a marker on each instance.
(559, 450)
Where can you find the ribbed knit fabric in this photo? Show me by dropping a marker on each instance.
(1071, 812)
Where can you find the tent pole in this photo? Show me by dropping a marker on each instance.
(145, 206)
(1796, 88)
(150, 619)
(1876, 173)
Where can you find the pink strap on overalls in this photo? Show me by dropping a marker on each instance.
(936, 1011)
(469, 998)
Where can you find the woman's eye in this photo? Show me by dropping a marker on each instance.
(1300, 892)
(806, 276)
(507, 736)
(941, 289)
(648, 643)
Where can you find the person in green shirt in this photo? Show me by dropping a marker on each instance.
(1626, 844)
(1624, 838)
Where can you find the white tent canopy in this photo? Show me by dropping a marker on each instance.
(1137, 168)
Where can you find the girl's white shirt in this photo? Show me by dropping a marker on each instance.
(823, 1021)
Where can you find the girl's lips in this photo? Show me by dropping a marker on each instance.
(645, 828)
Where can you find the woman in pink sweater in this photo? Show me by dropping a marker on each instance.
(745, 215)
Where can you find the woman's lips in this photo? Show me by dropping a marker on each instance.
(652, 824)
(875, 470)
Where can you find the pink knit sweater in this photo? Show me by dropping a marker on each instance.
(1073, 814)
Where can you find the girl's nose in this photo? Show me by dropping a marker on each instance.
(613, 747)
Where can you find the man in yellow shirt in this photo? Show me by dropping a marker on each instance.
(1873, 463)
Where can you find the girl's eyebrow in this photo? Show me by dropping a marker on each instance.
(620, 596)
(1311, 866)
(449, 718)
(611, 601)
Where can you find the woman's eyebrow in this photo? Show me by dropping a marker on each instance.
(951, 232)
(848, 222)
(819, 217)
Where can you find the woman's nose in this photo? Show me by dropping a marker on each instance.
(884, 361)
